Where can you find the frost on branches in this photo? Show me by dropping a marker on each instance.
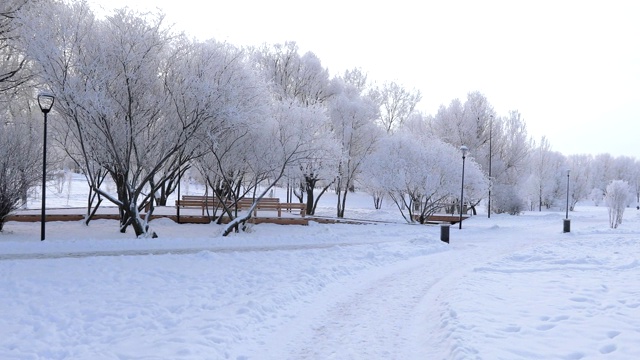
(616, 198)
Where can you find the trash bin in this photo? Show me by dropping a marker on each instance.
(444, 232)
(566, 225)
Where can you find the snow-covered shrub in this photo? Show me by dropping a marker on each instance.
(616, 198)
(596, 196)
(20, 164)
(505, 199)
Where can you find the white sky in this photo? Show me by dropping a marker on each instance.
(572, 68)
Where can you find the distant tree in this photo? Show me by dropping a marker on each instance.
(20, 163)
(602, 170)
(628, 169)
(469, 123)
(635, 183)
(396, 104)
(500, 144)
(580, 178)
(547, 174)
(596, 195)
(510, 162)
(507, 199)
(353, 114)
(291, 75)
(417, 175)
(617, 198)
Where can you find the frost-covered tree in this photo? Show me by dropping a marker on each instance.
(13, 66)
(20, 139)
(291, 75)
(113, 89)
(353, 114)
(626, 168)
(418, 175)
(292, 136)
(214, 82)
(20, 162)
(617, 198)
(602, 168)
(545, 180)
(300, 78)
(580, 178)
(510, 161)
(396, 104)
(500, 143)
(469, 123)
(635, 182)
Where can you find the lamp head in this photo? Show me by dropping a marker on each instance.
(45, 101)
(464, 150)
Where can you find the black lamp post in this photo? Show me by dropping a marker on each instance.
(490, 179)
(567, 222)
(464, 150)
(45, 101)
(179, 181)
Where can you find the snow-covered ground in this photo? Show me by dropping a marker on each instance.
(508, 287)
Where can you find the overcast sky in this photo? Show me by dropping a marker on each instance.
(571, 68)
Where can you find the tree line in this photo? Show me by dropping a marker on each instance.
(141, 104)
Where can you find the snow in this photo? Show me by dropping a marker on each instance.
(508, 287)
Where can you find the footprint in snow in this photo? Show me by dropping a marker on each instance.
(612, 334)
(607, 349)
(545, 327)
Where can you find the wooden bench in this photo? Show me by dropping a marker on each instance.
(294, 206)
(242, 203)
(245, 203)
(267, 205)
(192, 204)
(279, 207)
(274, 204)
(442, 218)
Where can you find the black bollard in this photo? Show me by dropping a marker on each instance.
(444, 232)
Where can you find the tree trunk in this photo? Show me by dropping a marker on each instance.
(310, 185)
(342, 198)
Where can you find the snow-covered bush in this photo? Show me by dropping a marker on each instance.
(616, 198)
(20, 164)
(505, 199)
(420, 175)
(596, 196)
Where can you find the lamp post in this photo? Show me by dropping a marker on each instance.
(464, 150)
(179, 181)
(45, 101)
(567, 222)
(490, 179)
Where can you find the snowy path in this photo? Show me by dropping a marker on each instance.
(349, 327)
(504, 289)
(396, 312)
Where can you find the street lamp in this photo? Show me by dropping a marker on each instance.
(45, 101)
(567, 222)
(490, 179)
(464, 150)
